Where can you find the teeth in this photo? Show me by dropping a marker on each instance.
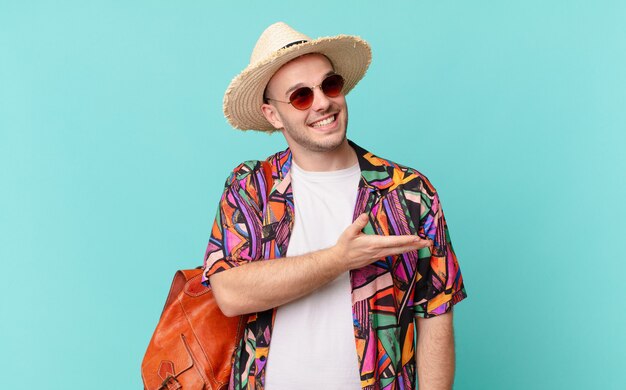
(325, 122)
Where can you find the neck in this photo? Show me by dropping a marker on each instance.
(339, 158)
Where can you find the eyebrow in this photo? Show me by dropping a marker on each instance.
(294, 87)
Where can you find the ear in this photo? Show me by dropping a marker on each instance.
(272, 115)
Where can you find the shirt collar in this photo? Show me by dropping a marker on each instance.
(376, 172)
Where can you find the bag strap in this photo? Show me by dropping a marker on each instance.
(170, 383)
(267, 172)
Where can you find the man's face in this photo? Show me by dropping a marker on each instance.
(321, 127)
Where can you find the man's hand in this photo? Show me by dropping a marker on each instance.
(356, 249)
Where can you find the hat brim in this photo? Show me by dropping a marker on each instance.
(350, 56)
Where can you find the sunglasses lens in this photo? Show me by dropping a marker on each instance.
(332, 85)
(302, 98)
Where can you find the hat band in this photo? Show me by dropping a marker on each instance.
(294, 43)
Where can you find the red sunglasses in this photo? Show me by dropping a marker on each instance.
(302, 98)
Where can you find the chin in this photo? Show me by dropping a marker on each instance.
(328, 145)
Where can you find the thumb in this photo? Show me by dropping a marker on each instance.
(358, 224)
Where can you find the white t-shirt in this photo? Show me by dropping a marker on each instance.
(313, 343)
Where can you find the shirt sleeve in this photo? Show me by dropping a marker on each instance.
(440, 283)
(237, 231)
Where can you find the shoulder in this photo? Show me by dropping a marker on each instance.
(251, 171)
(415, 180)
(244, 170)
(400, 176)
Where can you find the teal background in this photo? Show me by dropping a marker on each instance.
(114, 150)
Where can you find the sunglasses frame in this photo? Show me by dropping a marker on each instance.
(312, 92)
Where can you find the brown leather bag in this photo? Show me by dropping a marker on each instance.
(193, 343)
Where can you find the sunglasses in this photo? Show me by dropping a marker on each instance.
(302, 98)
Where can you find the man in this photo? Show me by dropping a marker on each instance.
(337, 256)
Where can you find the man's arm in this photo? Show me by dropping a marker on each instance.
(435, 352)
(261, 285)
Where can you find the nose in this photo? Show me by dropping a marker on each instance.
(321, 102)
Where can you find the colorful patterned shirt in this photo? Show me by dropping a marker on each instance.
(254, 222)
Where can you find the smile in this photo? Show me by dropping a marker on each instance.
(324, 122)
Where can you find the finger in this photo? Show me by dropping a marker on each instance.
(416, 245)
(394, 241)
(425, 243)
(404, 249)
(358, 225)
(396, 251)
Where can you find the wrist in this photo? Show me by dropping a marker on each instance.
(334, 260)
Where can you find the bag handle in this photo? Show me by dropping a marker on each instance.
(180, 279)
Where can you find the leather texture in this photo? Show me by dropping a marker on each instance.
(193, 343)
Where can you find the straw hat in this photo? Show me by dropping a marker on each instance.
(277, 45)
